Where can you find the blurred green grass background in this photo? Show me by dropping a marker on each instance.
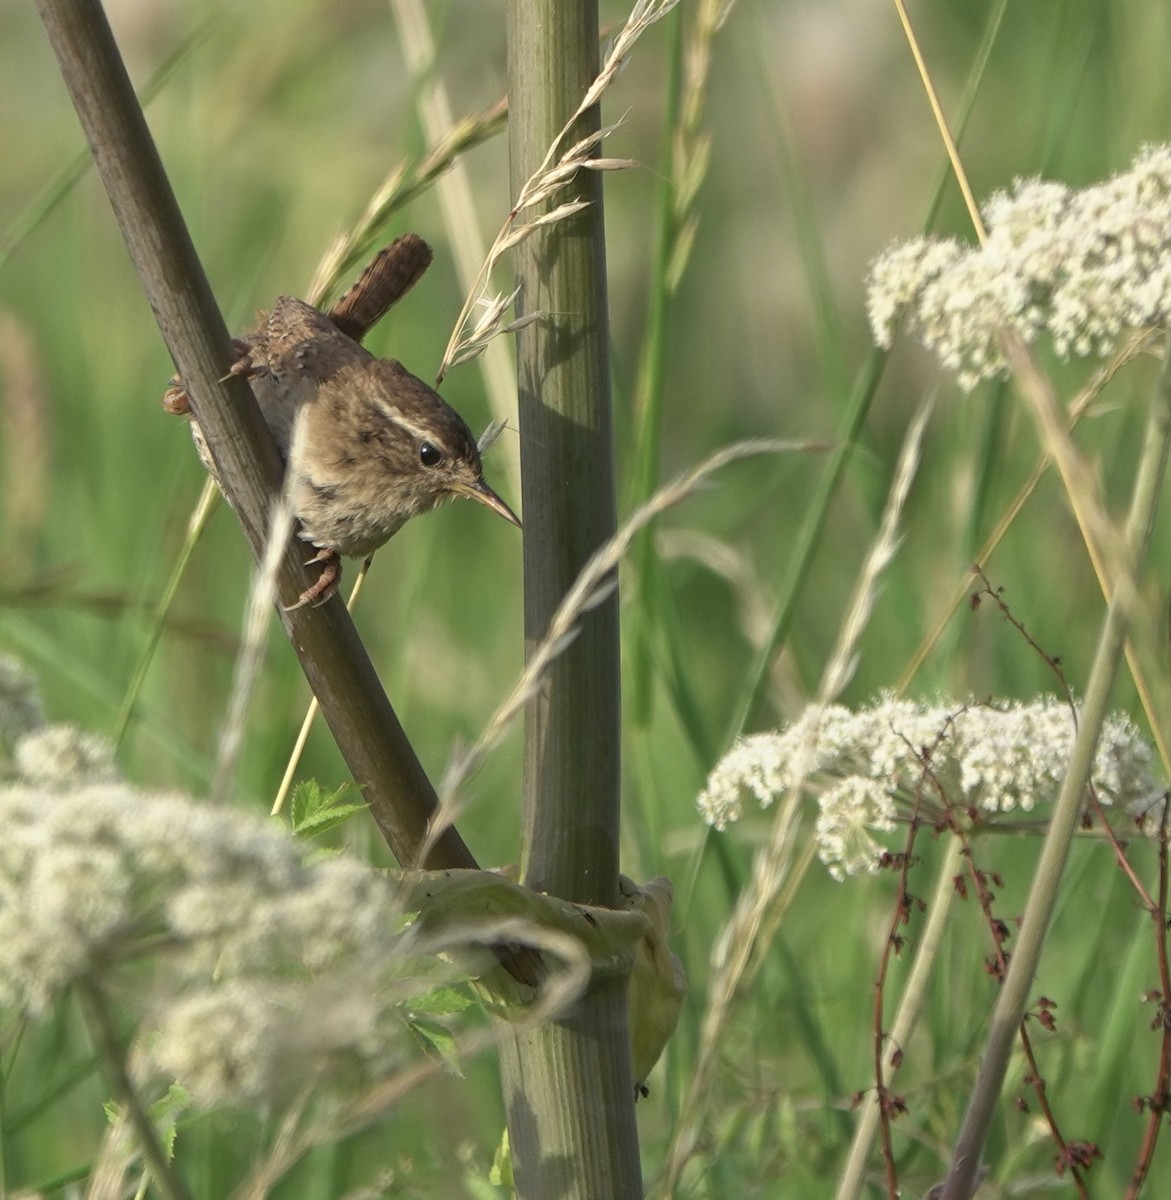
(276, 129)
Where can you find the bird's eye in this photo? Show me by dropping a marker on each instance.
(429, 456)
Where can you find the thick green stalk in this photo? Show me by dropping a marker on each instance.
(568, 1085)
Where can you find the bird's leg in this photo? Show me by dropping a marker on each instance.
(175, 398)
(243, 366)
(326, 585)
(177, 402)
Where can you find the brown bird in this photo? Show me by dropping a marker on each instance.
(367, 445)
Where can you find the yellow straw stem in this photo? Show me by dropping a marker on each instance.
(311, 711)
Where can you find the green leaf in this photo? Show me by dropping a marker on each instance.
(315, 811)
(437, 1040)
(501, 1172)
(442, 1002)
(165, 1113)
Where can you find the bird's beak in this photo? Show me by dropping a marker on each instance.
(485, 495)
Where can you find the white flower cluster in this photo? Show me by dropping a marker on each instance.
(42, 754)
(1086, 266)
(275, 971)
(863, 764)
(59, 755)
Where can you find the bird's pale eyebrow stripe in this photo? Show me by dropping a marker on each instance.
(422, 433)
(390, 411)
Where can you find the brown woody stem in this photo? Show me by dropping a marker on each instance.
(339, 671)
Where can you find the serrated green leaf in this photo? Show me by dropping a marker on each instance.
(437, 1039)
(165, 1113)
(315, 811)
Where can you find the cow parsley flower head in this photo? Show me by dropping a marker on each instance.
(255, 1040)
(1084, 266)
(849, 814)
(898, 277)
(271, 969)
(59, 755)
(275, 971)
(866, 766)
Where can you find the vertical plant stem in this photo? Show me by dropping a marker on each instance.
(1013, 1000)
(105, 1036)
(568, 1086)
(572, 732)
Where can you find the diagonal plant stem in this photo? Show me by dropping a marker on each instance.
(313, 708)
(1013, 999)
(105, 1036)
(593, 585)
(204, 507)
(937, 112)
(63, 183)
(367, 731)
